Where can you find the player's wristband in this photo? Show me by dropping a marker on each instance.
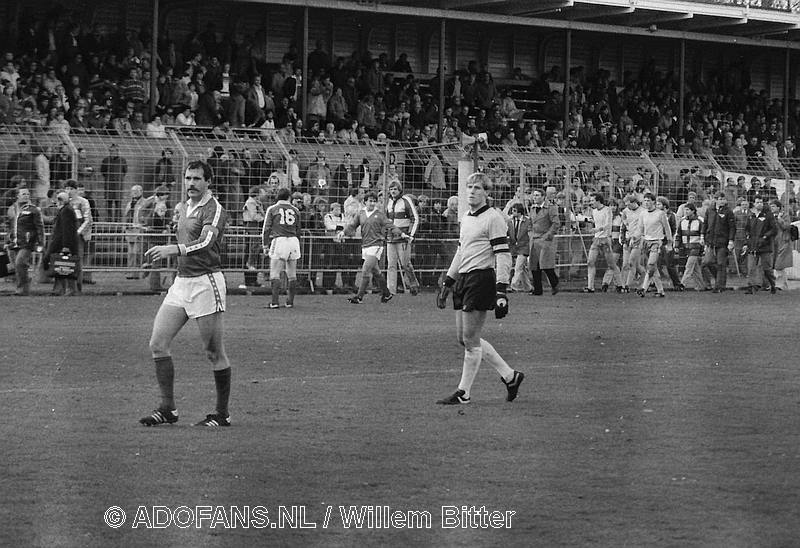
(500, 287)
(449, 282)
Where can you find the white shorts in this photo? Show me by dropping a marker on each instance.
(198, 295)
(372, 251)
(284, 248)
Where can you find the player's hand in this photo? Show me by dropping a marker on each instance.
(408, 237)
(730, 246)
(339, 236)
(500, 302)
(443, 291)
(161, 252)
(265, 250)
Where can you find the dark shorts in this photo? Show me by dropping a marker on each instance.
(475, 290)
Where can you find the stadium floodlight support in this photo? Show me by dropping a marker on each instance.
(565, 96)
(154, 61)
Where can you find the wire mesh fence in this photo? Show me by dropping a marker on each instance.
(321, 172)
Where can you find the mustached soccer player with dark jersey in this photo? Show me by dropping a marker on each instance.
(198, 293)
(478, 277)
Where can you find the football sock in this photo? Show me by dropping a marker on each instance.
(362, 287)
(591, 273)
(222, 380)
(381, 281)
(292, 287)
(472, 361)
(494, 359)
(657, 280)
(551, 276)
(646, 282)
(165, 375)
(276, 290)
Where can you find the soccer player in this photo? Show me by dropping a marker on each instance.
(601, 242)
(374, 227)
(403, 214)
(631, 239)
(656, 230)
(280, 237)
(478, 278)
(198, 292)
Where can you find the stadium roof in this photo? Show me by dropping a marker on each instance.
(770, 23)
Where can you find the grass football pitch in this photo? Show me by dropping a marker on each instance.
(641, 422)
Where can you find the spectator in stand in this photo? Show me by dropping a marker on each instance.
(345, 178)
(783, 244)
(132, 88)
(402, 64)
(256, 103)
(209, 109)
(113, 169)
(319, 61)
(155, 128)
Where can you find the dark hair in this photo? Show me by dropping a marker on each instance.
(599, 197)
(283, 194)
(649, 195)
(70, 183)
(208, 173)
(777, 203)
(518, 207)
(371, 195)
(690, 206)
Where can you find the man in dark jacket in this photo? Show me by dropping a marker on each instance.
(64, 239)
(27, 235)
(760, 236)
(719, 234)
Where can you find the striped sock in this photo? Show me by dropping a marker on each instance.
(222, 380)
(165, 375)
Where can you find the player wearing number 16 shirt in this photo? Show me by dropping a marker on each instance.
(280, 238)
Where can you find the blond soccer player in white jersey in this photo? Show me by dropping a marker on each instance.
(478, 277)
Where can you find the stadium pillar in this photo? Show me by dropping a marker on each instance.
(565, 94)
(304, 89)
(786, 76)
(153, 62)
(681, 88)
(440, 132)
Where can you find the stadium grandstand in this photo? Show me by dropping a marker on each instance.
(333, 98)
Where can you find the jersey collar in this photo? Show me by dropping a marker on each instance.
(203, 201)
(481, 210)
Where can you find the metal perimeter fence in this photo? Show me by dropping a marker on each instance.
(322, 172)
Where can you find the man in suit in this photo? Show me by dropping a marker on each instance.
(519, 243)
(544, 219)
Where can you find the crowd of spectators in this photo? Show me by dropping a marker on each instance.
(69, 76)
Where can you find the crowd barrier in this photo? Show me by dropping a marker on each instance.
(325, 263)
